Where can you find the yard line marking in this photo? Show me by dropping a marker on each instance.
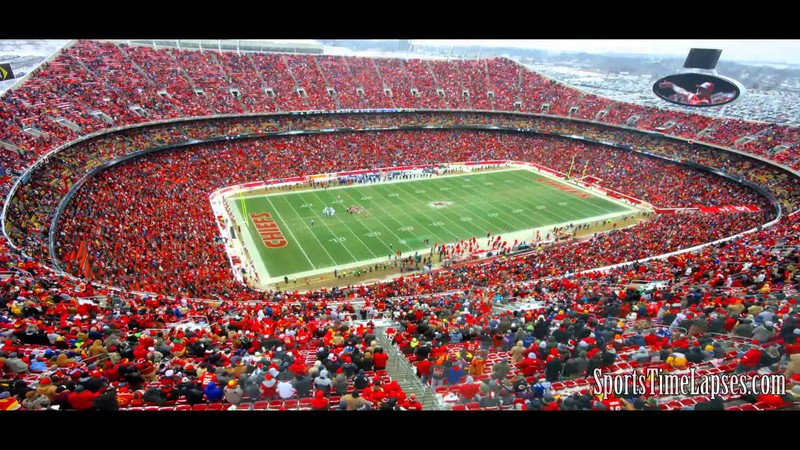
(476, 192)
(552, 213)
(334, 234)
(291, 233)
(311, 231)
(349, 229)
(377, 204)
(469, 233)
(586, 202)
(424, 227)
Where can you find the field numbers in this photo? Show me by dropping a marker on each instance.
(366, 197)
(406, 229)
(340, 201)
(493, 214)
(517, 211)
(421, 191)
(444, 189)
(337, 239)
(394, 194)
(306, 205)
(562, 203)
(373, 234)
(489, 183)
(540, 207)
(466, 219)
(437, 224)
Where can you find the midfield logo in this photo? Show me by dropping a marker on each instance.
(439, 204)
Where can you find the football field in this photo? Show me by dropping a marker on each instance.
(288, 235)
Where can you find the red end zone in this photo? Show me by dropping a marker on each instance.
(270, 234)
(576, 192)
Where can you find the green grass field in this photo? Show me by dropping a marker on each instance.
(402, 214)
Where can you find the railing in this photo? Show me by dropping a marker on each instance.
(403, 364)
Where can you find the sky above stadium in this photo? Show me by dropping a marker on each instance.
(767, 50)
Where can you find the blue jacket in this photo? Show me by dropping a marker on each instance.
(454, 375)
(213, 393)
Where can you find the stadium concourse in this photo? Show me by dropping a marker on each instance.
(519, 332)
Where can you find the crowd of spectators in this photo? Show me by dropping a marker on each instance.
(35, 201)
(729, 308)
(170, 83)
(79, 346)
(148, 223)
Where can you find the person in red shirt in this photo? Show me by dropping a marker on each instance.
(269, 387)
(319, 403)
(612, 403)
(208, 377)
(424, 369)
(773, 400)
(376, 394)
(288, 342)
(530, 365)
(468, 391)
(552, 404)
(82, 399)
(124, 396)
(412, 404)
(379, 358)
(750, 359)
(138, 398)
(298, 368)
(146, 369)
(111, 372)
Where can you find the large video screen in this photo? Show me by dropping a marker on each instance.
(696, 89)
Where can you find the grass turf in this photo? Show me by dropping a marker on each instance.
(402, 214)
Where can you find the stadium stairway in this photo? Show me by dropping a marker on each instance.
(402, 371)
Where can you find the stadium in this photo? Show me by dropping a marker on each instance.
(276, 227)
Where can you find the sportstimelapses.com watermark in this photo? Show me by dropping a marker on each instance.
(656, 382)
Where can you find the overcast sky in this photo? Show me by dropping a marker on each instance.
(773, 51)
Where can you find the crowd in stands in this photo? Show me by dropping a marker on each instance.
(79, 347)
(728, 308)
(171, 83)
(59, 349)
(83, 154)
(148, 224)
